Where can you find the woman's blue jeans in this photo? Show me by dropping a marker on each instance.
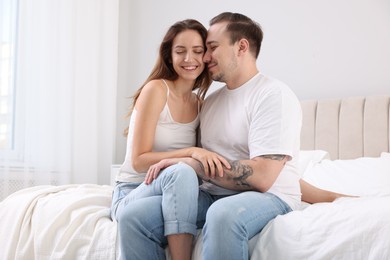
(173, 204)
(148, 213)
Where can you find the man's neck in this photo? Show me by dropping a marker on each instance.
(241, 78)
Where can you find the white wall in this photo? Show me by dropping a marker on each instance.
(321, 49)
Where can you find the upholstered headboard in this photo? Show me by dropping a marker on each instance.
(347, 128)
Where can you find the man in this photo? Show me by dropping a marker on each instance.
(254, 121)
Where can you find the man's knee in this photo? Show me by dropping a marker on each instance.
(219, 212)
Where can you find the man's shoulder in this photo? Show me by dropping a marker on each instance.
(271, 81)
(275, 86)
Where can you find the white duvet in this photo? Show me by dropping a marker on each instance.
(58, 222)
(349, 228)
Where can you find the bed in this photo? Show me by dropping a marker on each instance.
(344, 148)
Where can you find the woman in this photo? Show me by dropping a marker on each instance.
(163, 125)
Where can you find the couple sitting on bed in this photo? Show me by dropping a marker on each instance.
(249, 134)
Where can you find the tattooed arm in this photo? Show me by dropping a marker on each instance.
(257, 174)
(234, 178)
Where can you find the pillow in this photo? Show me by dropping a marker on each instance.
(307, 158)
(384, 154)
(365, 176)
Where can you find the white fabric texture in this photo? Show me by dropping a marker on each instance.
(385, 155)
(365, 176)
(263, 116)
(58, 222)
(309, 158)
(349, 228)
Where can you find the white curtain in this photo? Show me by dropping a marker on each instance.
(66, 81)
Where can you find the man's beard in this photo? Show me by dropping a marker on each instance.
(218, 77)
(221, 75)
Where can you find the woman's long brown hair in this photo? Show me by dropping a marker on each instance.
(163, 69)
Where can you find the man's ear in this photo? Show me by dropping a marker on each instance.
(243, 45)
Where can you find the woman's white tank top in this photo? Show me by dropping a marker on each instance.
(170, 135)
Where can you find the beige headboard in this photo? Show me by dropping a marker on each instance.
(347, 128)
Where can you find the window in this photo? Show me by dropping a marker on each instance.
(56, 107)
(8, 32)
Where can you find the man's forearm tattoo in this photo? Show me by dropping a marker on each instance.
(238, 173)
(277, 157)
(236, 177)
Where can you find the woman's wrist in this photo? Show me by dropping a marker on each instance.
(190, 151)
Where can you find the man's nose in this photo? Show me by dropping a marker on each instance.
(206, 57)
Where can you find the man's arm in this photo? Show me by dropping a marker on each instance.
(257, 174)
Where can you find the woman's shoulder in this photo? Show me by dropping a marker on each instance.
(157, 86)
(154, 92)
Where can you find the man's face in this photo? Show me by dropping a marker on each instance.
(220, 55)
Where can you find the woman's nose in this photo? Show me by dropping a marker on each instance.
(188, 57)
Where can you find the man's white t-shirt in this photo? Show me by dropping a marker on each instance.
(263, 116)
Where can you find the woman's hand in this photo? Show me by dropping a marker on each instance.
(155, 169)
(207, 164)
(212, 162)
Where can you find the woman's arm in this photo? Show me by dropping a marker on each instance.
(149, 105)
(312, 194)
(155, 169)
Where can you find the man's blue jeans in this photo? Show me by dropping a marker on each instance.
(231, 221)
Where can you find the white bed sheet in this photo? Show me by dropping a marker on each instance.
(349, 228)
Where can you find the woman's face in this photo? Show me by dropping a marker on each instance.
(187, 54)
